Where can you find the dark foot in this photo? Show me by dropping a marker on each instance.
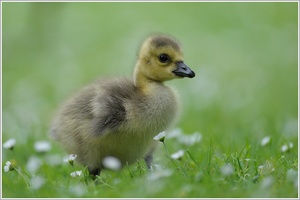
(95, 172)
(148, 159)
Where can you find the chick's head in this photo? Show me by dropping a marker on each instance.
(161, 59)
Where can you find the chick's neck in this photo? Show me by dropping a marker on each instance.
(144, 83)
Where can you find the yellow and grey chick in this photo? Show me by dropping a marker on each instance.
(119, 117)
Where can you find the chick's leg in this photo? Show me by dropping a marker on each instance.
(149, 159)
(95, 172)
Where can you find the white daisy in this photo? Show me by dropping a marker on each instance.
(287, 147)
(267, 182)
(227, 170)
(70, 159)
(284, 148)
(191, 139)
(33, 164)
(266, 140)
(9, 144)
(160, 137)
(77, 190)
(112, 163)
(157, 174)
(178, 155)
(42, 146)
(8, 166)
(76, 173)
(37, 182)
(292, 177)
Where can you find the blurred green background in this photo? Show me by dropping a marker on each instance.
(244, 56)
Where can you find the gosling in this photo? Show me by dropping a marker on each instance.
(119, 117)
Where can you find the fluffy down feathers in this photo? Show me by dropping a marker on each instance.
(119, 117)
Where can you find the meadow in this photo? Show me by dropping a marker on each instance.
(237, 136)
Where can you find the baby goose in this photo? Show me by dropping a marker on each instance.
(119, 117)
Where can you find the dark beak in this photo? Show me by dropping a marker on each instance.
(183, 70)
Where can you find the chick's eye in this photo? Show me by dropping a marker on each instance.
(163, 58)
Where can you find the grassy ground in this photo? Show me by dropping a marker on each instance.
(244, 93)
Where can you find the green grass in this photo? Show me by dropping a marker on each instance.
(246, 88)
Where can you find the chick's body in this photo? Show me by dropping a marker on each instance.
(119, 117)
